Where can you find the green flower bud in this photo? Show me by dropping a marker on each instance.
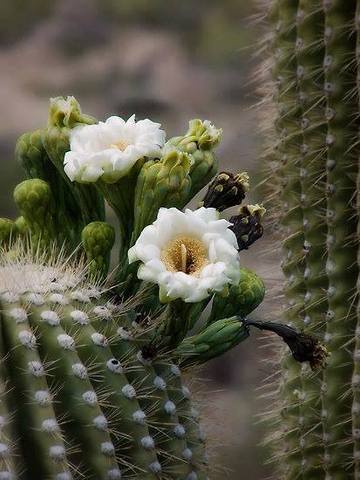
(34, 201)
(240, 299)
(213, 341)
(98, 238)
(7, 230)
(32, 156)
(199, 141)
(164, 183)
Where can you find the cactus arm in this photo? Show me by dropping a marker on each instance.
(76, 395)
(342, 244)
(29, 378)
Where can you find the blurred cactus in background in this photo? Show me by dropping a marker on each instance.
(90, 362)
(313, 163)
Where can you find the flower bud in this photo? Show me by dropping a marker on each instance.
(226, 190)
(247, 226)
(98, 239)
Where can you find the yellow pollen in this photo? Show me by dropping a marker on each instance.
(121, 145)
(185, 254)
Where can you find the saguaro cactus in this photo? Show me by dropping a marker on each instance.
(313, 159)
(90, 366)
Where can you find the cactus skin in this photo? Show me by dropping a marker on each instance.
(90, 368)
(315, 69)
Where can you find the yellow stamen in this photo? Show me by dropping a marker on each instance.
(121, 145)
(185, 254)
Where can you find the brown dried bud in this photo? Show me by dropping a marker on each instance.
(247, 226)
(304, 348)
(226, 190)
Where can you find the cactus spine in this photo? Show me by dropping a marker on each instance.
(315, 92)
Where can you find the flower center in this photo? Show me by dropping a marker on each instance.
(185, 254)
(120, 145)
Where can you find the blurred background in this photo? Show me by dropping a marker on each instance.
(169, 61)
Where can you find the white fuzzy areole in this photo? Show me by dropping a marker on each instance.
(79, 317)
(18, 314)
(36, 368)
(64, 476)
(100, 422)
(129, 391)
(102, 312)
(27, 339)
(107, 449)
(80, 371)
(42, 397)
(57, 453)
(139, 417)
(66, 342)
(90, 398)
(51, 317)
(50, 425)
(114, 474)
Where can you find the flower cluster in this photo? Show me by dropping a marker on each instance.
(188, 254)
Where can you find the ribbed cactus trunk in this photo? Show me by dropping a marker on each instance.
(313, 157)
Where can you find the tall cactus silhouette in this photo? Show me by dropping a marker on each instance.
(313, 160)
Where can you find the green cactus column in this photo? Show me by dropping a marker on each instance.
(285, 159)
(324, 55)
(342, 244)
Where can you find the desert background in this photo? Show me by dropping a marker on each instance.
(169, 61)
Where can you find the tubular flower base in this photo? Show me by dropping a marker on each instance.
(91, 362)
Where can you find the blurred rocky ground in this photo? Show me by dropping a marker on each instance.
(170, 61)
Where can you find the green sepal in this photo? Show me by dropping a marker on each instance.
(240, 299)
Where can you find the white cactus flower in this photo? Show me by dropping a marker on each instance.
(189, 255)
(108, 150)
